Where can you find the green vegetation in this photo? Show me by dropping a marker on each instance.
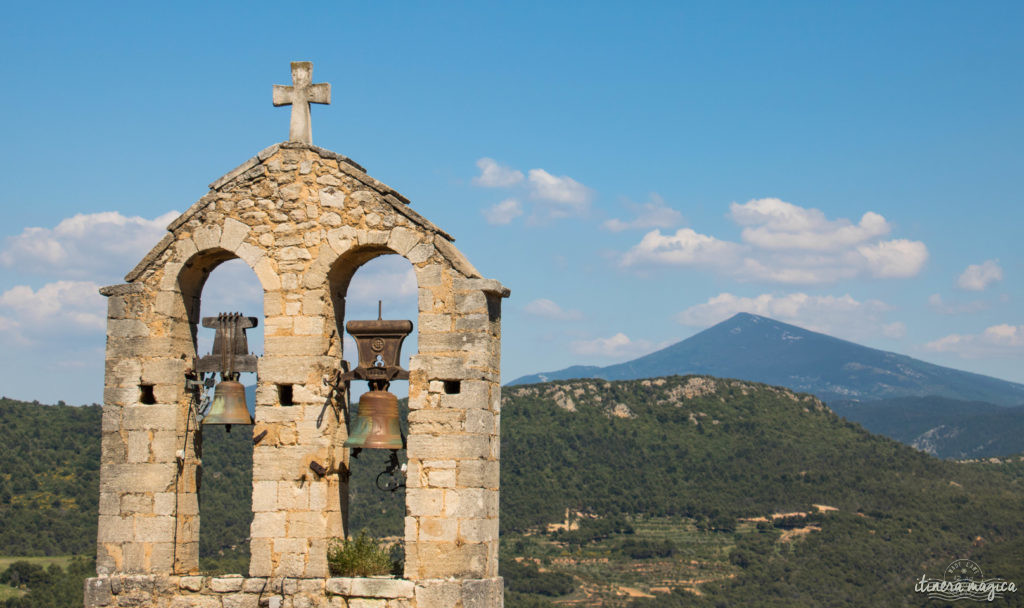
(26, 583)
(225, 500)
(947, 428)
(362, 556)
(665, 479)
(706, 453)
(49, 478)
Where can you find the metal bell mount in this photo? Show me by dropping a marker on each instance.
(379, 344)
(229, 357)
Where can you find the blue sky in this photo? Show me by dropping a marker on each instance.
(633, 172)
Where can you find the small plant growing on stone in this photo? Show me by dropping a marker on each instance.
(360, 556)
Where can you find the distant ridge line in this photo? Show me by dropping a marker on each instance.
(761, 349)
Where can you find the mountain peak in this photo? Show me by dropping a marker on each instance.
(761, 349)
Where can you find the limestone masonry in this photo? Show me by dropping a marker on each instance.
(304, 219)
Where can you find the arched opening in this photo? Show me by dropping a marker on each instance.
(224, 479)
(366, 283)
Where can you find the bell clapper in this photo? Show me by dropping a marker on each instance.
(392, 483)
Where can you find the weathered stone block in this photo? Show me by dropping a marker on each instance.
(145, 477)
(225, 584)
(438, 593)
(442, 367)
(264, 496)
(482, 593)
(254, 585)
(465, 341)
(233, 234)
(207, 237)
(473, 322)
(285, 370)
(150, 417)
(441, 479)
(473, 394)
(294, 345)
(138, 446)
(241, 600)
(308, 326)
(155, 529)
(444, 447)
(471, 302)
(332, 197)
(136, 503)
(478, 530)
(111, 418)
(420, 253)
(480, 421)
(478, 474)
(260, 563)
(438, 529)
(268, 525)
(426, 502)
(191, 583)
(126, 328)
(465, 503)
(110, 503)
(364, 602)
(115, 529)
(402, 240)
(97, 592)
(306, 524)
(267, 274)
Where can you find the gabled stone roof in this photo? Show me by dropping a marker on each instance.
(254, 168)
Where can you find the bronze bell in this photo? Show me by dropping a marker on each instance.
(379, 343)
(228, 405)
(376, 425)
(230, 355)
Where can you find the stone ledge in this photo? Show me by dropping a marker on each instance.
(385, 588)
(121, 289)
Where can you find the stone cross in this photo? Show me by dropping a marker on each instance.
(299, 96)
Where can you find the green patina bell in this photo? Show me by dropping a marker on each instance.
(228, 406)
(376, 426)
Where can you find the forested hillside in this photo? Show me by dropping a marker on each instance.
(49, 478)
(714, 451)
(947, 428)
(672, 482)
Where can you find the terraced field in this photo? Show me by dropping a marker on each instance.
(659, 555)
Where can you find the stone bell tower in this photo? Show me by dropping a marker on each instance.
(304, 219)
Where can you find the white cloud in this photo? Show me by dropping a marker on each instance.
(996, 341)
(495, 175)
(685, 248)
(653, 214)
(978, 277)
(503, 212)
(98, 245)
(841, 316)
(770, 223)
(617, 346)
(898, 259)
(557, 197)
(784, 243)
(547, 309)
(53, 309)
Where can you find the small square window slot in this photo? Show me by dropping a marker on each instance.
(284, 394)
(146, 396)
(452, 387)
